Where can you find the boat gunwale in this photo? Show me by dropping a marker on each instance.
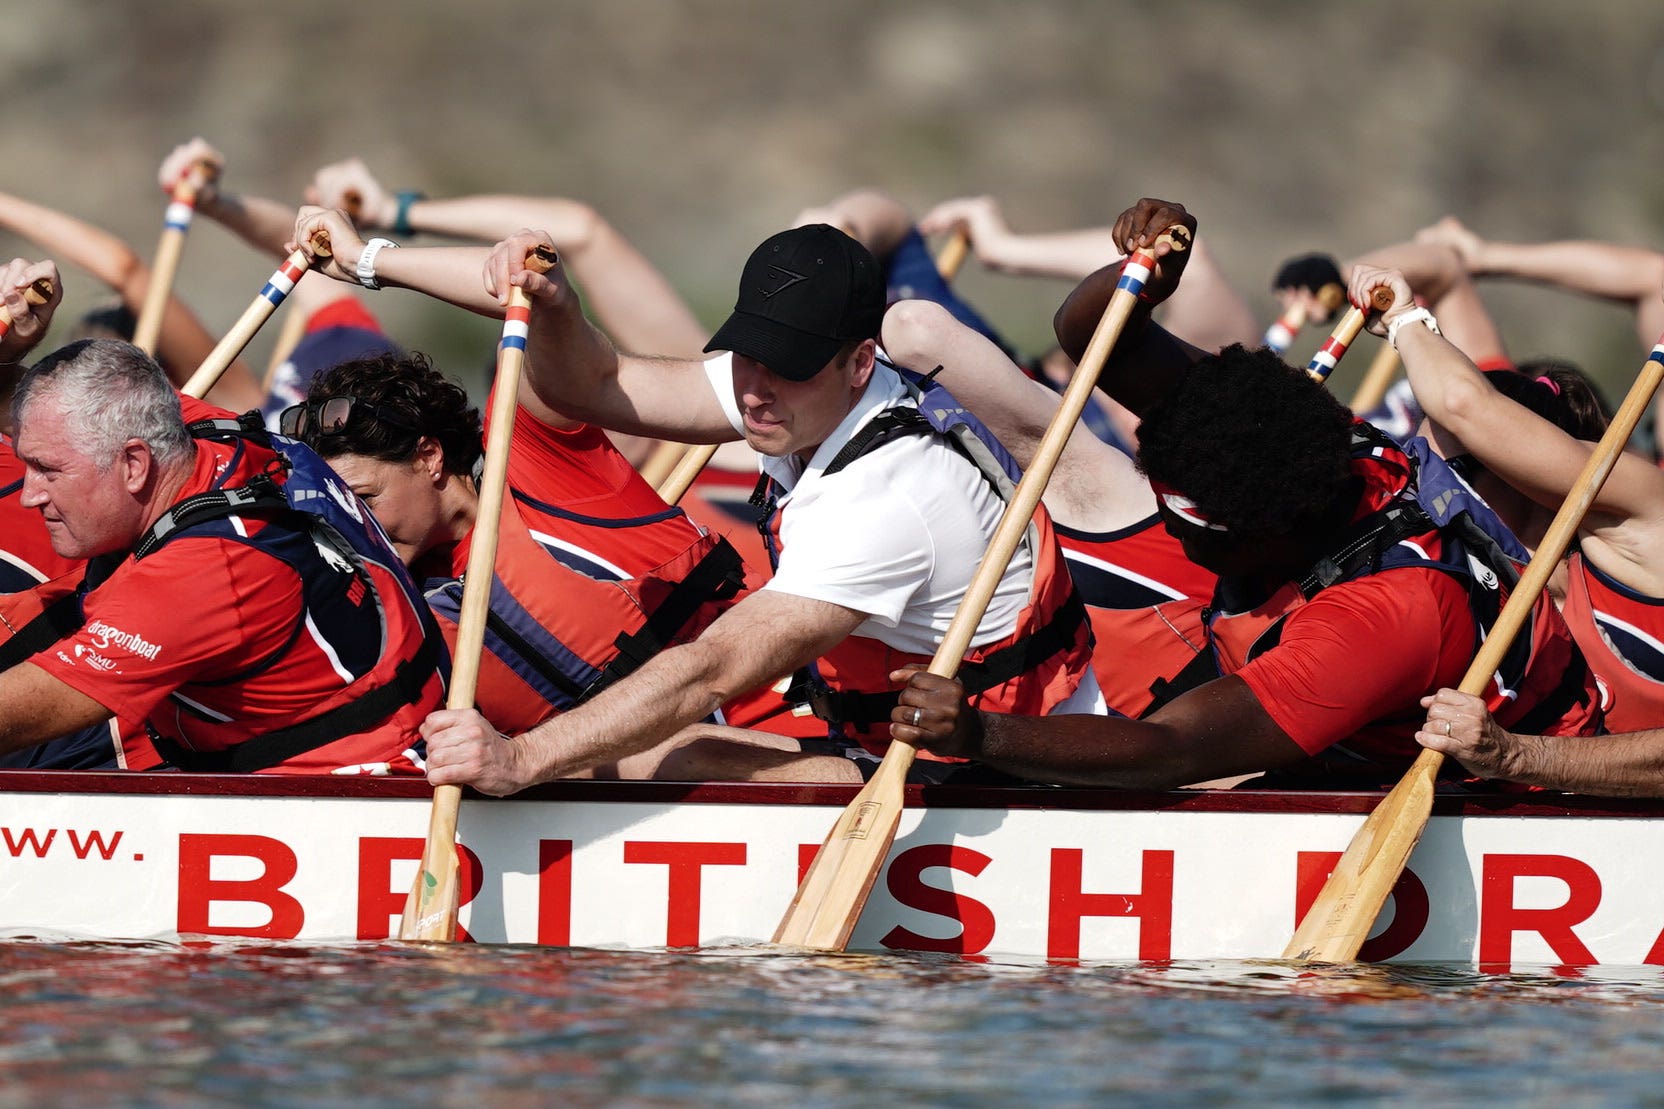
(1313, 802)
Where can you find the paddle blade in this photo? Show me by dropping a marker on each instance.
(1335, 927)
(431, 909)
(834, 891)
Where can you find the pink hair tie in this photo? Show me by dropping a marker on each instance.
(1549, 381)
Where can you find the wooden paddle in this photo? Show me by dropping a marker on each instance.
(1339, 921)
(1373, 388)
(277, 287)
(430, 911)
(686, 471)
(175, 223)
(953, 252)
(1329, 354)
(835, 889)
(40, 291)
(662, 462)
(1287, 327)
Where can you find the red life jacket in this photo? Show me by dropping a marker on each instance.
(1621, 633)
(1031, 671)
(1416, 513)
(563, 624)
(356, 594)
(1145, 601)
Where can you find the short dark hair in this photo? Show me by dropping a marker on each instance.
(1260, 447)
(407, 384)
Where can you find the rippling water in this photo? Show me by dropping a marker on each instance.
(158, 1024)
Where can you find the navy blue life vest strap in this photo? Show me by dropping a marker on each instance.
(716, 577)
(8, 490)
(261, 492)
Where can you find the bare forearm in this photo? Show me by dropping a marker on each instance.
(1627, 765)
(451, 274)
(1099, 751)
(262, 223)
(1621, 273)
(676, 688)
(67, 239)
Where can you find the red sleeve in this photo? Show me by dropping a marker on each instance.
(173, 619)
(578, 469)
(1362, 651)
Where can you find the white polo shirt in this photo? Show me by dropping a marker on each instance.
(897, 534)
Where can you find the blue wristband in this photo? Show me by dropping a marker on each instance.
(401, 214)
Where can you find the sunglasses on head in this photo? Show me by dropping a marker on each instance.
(330, 416)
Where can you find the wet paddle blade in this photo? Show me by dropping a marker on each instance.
(1338, 923)
(431, 909)
(829, 899)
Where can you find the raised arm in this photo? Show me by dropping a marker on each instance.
(1206, 310)
(1436, 276)
(872, 217)
(629, 297)
(1624, 274)
(1525, 450)
(1094, 487)
(1147, 356)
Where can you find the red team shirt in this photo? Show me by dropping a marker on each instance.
(193, 617)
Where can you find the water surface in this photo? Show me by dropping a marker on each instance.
(370, 1025)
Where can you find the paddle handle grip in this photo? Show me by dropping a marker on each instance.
(1329, 354)
(662, 462)
(176, 221)
(1285, 328)
(277, 289)
(40, 291)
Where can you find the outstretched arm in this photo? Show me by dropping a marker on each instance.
(1205, 310)
(1218, 730)
(629, 297)
(1623, 274)
(1630, 764)
(764, 637)
(875, 219)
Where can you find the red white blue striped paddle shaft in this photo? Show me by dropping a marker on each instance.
(175, 222)
(273, 293)
(431, 909)
(1285, 329)
(38, 292)
(1329, 354)
(835, 888)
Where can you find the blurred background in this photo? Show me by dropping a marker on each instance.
(699, 127)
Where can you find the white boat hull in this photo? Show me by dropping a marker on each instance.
(1037, 874)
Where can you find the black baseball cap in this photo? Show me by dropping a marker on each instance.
(804, 293)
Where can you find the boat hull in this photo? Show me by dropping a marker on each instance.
(1033, 874)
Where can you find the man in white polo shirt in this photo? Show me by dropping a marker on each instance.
(879, 533)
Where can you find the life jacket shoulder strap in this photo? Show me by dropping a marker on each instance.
(260, 493)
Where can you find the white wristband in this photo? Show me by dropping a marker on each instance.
(1417, 314)
(366, 270)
